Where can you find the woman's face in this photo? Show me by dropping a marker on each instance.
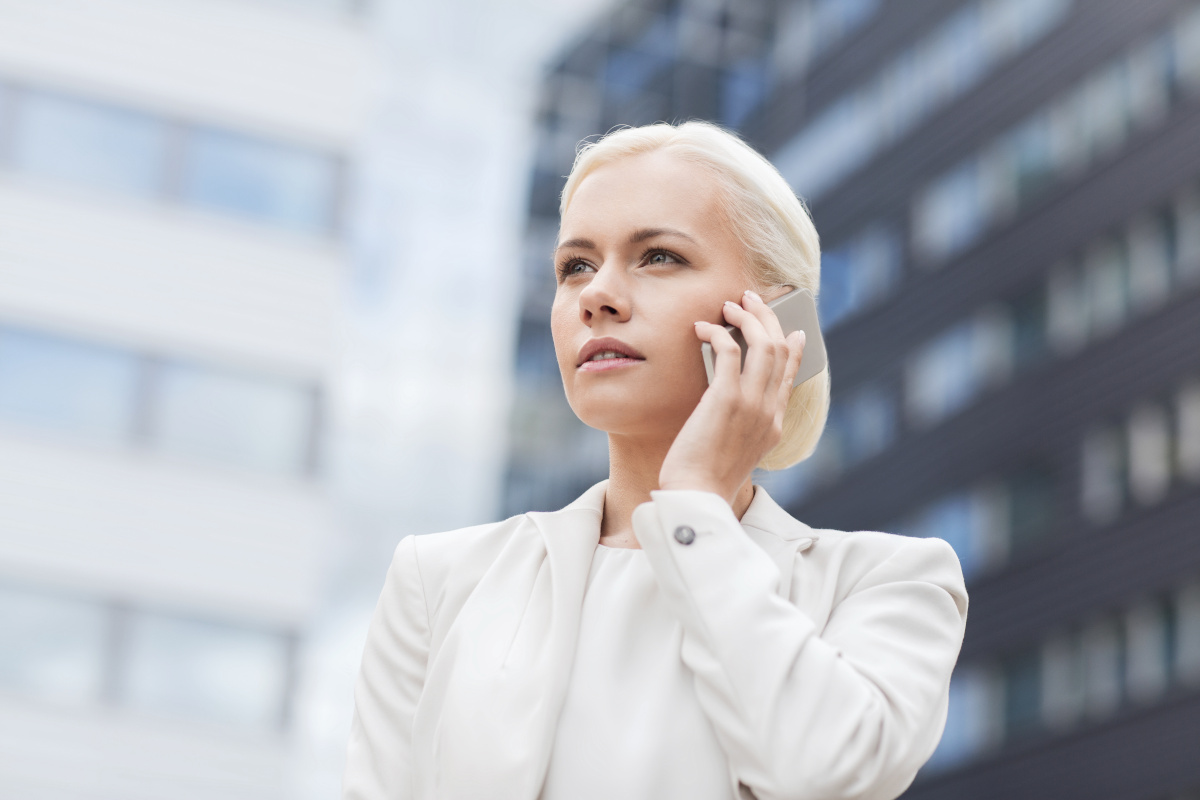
(644, 252)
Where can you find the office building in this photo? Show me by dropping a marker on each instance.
(1008, 195)
(173, 182)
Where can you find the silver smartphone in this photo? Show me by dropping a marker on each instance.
(797, 311)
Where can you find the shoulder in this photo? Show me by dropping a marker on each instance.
(453, 560)
(858, 560)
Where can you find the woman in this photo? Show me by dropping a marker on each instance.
(673, 633)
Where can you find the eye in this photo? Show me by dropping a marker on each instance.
(661, 257)
(572, 266)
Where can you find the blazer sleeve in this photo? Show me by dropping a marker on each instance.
(848, 711)
(379, 754)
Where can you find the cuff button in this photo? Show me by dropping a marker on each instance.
(685, 535)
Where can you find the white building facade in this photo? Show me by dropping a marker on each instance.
(173, 204)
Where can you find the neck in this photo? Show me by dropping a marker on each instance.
(633, 468)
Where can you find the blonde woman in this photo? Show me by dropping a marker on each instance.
(673, 633)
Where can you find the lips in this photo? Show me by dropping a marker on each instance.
(605, 347)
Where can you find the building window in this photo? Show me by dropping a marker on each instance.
(89, 143)
(232, 418)
(1148, 650)
(251, 178)
(946, 374)
(1022, 693)
(1103, 475)
(956, 56)
(116, 149)
(1187, 431)
(1149, 449)
(989, 522)
(970, 719)
(204, 671)
(858, 274)
(745, 85)
(1086, 124)
(52, 647)
(61, 384)
(1102, 645)
(117, 397)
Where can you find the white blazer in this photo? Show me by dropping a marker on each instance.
(821, 658)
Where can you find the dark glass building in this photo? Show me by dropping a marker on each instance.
(1008, 195)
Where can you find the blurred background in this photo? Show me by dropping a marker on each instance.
(274, 290)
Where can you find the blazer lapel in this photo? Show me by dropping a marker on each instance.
(486, 721)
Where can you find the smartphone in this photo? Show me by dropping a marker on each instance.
(797, 311)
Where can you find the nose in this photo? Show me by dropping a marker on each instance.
(605, 297)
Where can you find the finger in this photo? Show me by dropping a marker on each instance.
(728, 367)
(762, 351)
(763, 313)
(795, 340)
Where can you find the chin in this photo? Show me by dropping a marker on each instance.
(632, 413)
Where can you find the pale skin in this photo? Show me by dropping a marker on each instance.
(646, 257)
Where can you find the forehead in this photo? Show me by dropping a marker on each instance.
(646, 190)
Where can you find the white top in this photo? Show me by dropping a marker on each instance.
(817, 660)
(631, 724)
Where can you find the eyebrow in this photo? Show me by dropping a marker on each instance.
(640, 235)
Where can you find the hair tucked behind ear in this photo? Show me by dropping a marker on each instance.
(782, 247)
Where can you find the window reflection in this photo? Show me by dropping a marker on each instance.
(89, 143)
(47, 381)
(1086, 124)
(118, 149)
(205, 670)
(858, 274)
(118, 397)
(232, 418)
(51, 646)
(252, 178)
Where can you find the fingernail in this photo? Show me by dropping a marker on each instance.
(731, 303)
(751, 293)
(803, 338)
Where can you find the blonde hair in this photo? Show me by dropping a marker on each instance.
(782, 247)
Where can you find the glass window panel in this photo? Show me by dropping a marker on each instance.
(1103, 475)
(1187, 431)
(1028, 316)
(943, 376)
(274, 183)
(89, 143)
(1187, 47)
(745, 86)
(950, 214)
(1146, 658)
(1066, 313)
(1062, 682)
(1022, 693)
(68, 385)
(1187, 237)
(1106, 274)
(969, 723)
(1186, 668)
(1031, 507)
(1150, 77)
(51, 646)
(1102, 668)
(872, 421)
(956, 520)
(1032, 156)
(835, 299)
(1149, 450)
(1149, 262)
(204, 670)
(233, 418)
